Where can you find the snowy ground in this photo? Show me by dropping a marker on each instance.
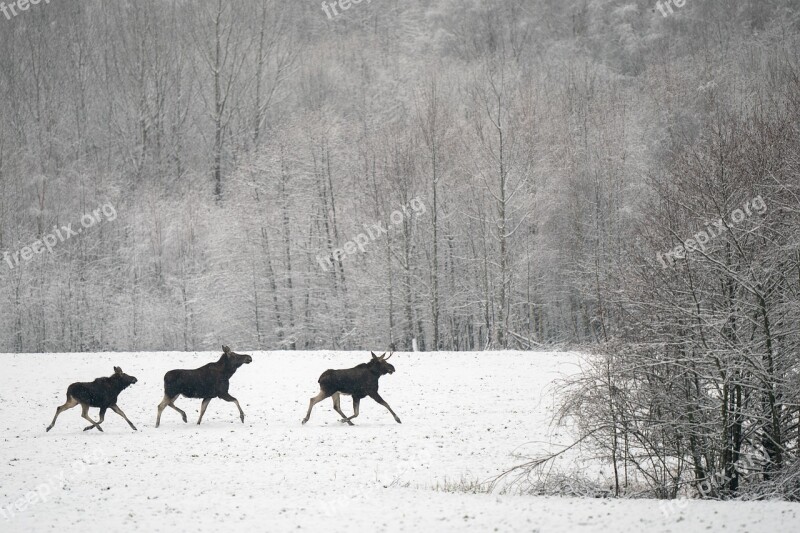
(463, 416)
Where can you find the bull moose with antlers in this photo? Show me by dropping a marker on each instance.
(358, 382)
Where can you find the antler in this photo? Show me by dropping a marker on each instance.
(387, 358)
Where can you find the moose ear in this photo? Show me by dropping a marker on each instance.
(373, 355)
(225, 349)
(117, 370)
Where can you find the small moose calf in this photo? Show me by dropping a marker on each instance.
(102, 393)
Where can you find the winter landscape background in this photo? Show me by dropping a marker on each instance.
(476, 182)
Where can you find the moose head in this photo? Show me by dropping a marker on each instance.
(380, 365)
(126, 379)
(235, 359)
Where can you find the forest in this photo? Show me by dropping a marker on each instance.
(558, 147)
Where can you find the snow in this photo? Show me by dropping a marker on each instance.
(463, 414)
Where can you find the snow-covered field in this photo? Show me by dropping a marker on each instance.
(463, 416)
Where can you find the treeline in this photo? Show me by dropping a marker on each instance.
(557, 147)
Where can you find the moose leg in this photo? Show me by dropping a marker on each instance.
(228, 398)
(164, 403)
(377, 397)
(314, 401)
(203, 409)
(161, 408)
(356, 403)
(120, 413)
(69, 404)
(85, 414)
(337, 407)
(172, 404)
(102, 417)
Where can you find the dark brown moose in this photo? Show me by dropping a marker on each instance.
(102, 393)
(207, 382)
(358, 382)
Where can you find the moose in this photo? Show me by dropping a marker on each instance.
(357, 382)
(207, 382)
(102, 393)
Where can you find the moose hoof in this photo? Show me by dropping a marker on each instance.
(49, 428)
(185, 420)
(98, 427)
(242, 417)
(87, 428)
(398, 420)
(134, 428)
(302, 422)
